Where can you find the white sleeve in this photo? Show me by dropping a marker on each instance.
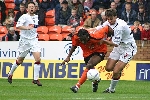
(116, 39)
(21, 21)
(101, 26)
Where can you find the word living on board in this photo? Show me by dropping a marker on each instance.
(110, 74)
(53, 70)
(14, 53)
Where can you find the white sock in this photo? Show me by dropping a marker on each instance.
(36, 71)
(113, 85)
(13, 68)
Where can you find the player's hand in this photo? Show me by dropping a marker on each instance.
(101, 41)
(65, 61)
(30, 27)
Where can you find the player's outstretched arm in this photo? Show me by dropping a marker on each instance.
(24, 27)
(69, 55)
(108, 43)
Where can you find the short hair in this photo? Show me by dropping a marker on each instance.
(128, 3)
(137, 22)
(22, 4)
(30, 2)
(141, 6)
(74, 9)
(82, 33)
(110, 12)
(146, 23)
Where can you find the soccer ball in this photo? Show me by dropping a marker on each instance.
(93, 75)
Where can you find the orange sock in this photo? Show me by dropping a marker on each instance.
(83, 78)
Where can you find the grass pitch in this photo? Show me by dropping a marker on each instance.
(59, 90)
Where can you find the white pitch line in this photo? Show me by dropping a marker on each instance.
(105, 98)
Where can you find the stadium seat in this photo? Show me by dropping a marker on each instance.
(42, 30)
(43, 37)
(10, 5)
(55, 29)
(40, 1)
(50, 21)
(56, 37)
(3, 30)
(9, 1)
(50, 13)
(65, 31)
(1, 35)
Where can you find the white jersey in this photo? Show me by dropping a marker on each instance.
(124, 39)
(27, 20)
(122, 32)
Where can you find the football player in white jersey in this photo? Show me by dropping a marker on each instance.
(28, 42)
(124, 47)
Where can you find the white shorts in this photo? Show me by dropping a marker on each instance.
(124, 52)
(26, 46)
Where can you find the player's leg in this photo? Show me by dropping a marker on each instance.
(36, 68)
(116, 74)
(111, 63)
(36, 52)
(19, 61)
(90, 61)
(123, 60)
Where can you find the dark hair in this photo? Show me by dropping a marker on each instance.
(110, 13)
(30, 2)
(22, 4)
(141, 6)
(128, 3)
(82, 33)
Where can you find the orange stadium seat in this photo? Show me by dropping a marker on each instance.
(56, 37)
(9, 1)
(3, 30)
(40, 1)
(55, 29)
(50, 21)
(50, 13)
(65, 31)
(1, 35)
(42, 30)
(43, 37)
(10, 5)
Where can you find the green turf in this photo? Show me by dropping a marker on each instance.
(59, 90)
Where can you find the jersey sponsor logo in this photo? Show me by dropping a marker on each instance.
(117, 37)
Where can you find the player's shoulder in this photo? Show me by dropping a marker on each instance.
(25, 15)
(122, 25)
(121, 22)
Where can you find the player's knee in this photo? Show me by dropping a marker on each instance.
(38, 61)
(19, 61)
(89, 66)
(116, 75)
(108, 69)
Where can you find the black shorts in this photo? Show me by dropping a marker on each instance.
(100, 54)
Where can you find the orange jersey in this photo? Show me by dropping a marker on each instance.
(93, 45)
